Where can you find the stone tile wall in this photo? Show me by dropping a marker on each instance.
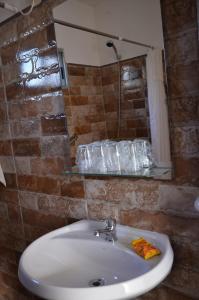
(92, 100)
(84, 106)
(134, 105)
(34, 146)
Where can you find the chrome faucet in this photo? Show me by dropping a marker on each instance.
(109, 232)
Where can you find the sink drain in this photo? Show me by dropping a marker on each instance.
(97, 282)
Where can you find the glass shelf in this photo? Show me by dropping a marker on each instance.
(153, 173)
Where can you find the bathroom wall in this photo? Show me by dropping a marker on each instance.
(81, 14)
(147, 26)
(34, 144)
(103, 18)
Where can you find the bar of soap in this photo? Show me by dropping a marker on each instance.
(144, 249)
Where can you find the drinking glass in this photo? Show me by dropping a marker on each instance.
(111, 156)
(82, 159)
(143, 153)
(96, 157)
(126, 156)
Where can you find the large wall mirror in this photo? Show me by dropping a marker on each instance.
(111, 56)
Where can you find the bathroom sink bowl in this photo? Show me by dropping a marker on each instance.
(71, 263)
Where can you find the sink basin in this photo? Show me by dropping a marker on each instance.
(71, 263)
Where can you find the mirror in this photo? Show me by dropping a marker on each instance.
(112, 73)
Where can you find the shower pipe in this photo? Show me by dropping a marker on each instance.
(115, 37)
(110, 44)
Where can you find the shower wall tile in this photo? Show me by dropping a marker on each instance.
(46, 166)
(9, 196)
(180, 16)
(174, 226)
(181, 85)
(53, 125)
(26, 147)
(8, 56)
(29, 128)
(1, 94)
(182, 48)
(76, 70)
(73, 189)
(185, 110)
(5, 148)
(8, 164)
(11, 180)
(54, 146)
(77, 209)
(34, 183)
(178, 199)
(84, 105)
(186, 170)
(23, 165)
(186, 143)
(100, 210)
(180, 280)
(162, 292)
(45, 219)
(10, 35)
(14, 91)
(186, 253)
(3, 112)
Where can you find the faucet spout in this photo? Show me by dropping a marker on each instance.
(109, 232)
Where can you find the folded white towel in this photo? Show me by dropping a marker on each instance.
(2, 178)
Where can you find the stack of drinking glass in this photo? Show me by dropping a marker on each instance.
(114, 157)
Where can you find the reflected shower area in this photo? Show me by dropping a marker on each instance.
(106, 99)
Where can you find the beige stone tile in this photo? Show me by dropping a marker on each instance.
(178, 199)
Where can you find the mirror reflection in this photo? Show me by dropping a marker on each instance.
(113, 86)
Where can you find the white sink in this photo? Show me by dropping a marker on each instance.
(65, 264)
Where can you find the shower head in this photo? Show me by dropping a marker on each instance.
(110, 44)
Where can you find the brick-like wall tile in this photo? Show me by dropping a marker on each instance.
(163, 292)
(101, 210)
(179, 16)
(5, 148)
(185, 280)
(77, 208)
(73, 189)
(47, 166)
(178, 199)
(53, 125)
(39, 184)
(41, 219)
(26, 147)
(161, 222)
(186, 143)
